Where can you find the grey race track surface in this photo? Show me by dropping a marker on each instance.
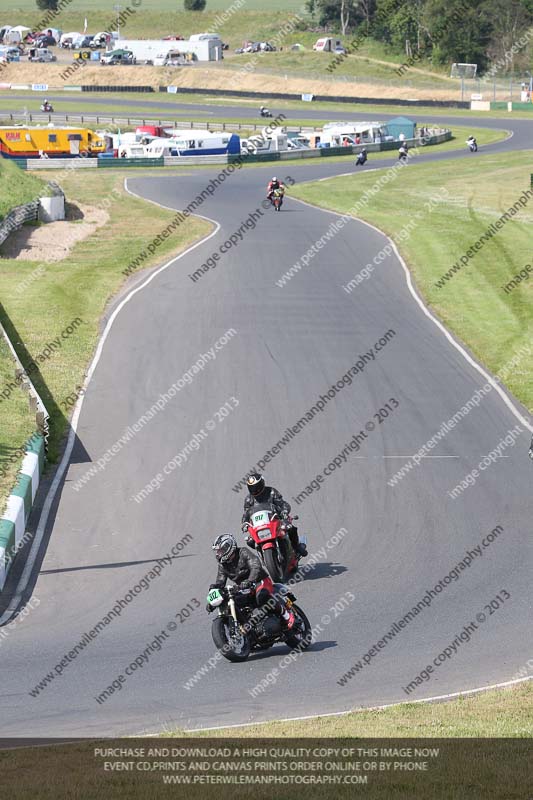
(291, 345)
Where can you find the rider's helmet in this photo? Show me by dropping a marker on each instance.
(274, 180)
(225, 547)
(255, 483)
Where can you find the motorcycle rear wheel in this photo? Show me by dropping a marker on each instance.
(221, 634)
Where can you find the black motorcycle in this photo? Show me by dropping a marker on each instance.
(402, 154)
(264, 112)
(472, 144)
(361, 159)
(241, 626)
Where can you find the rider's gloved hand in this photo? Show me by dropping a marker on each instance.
(244, 527)
(209, 608)
(246, 585)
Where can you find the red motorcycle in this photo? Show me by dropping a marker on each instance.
(277, 198)
(272, 543)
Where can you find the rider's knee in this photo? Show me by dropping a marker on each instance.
(262, 597)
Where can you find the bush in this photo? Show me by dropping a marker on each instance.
(47, 5)
(194, 5)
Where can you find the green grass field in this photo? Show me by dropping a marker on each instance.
(494, 324)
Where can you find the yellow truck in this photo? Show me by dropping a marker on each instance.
(49, 142)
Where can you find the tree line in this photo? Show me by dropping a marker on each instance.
(445, 31)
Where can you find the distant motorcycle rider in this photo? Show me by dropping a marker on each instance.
(403, 152)
(259, 494)
(244, 568)
(472, 144)
(273, 185)
(361, 158)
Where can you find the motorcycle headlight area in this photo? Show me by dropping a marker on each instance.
(264, 533)
(214, 598)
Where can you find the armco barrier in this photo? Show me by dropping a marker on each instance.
(130, 162)
(19, 504)
(57, 163)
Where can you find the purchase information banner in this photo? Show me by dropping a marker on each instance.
(264, 768)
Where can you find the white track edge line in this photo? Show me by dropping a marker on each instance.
(50, 497)
(362, 709)
(510, 405)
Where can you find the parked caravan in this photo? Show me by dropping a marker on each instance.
(195, 143)
(327, 45)
(50, 142)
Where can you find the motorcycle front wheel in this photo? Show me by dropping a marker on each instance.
(302, 638)
(232, 643)
(273, 564)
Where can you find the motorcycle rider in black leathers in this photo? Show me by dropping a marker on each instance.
(245, 569)
(260, 494)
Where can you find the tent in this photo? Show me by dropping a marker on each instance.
(16, 35)
(401, 125)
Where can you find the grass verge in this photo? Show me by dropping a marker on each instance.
(78, 287)
(17, 187)
(16, 423)
(495, 713)
(492, 322)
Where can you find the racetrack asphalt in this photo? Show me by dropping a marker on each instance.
(291, 345)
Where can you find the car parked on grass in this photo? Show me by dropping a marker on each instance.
(80, 43)
(99, 39)
(41, 55)
(116, 57)
(9, 54)
(256, 47)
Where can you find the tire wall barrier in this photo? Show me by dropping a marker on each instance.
(17, 217)
(85, 88)
(373, 101)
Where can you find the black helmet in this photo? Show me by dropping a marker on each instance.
(255, 483)
(225, 547)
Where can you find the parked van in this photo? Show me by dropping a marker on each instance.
(118, 57)
(171, 59)
(41, 54)
(327, 45)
